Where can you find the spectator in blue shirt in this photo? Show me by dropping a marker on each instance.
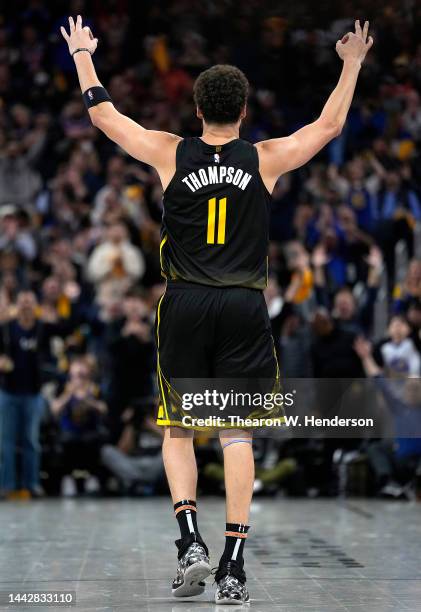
(23, 343)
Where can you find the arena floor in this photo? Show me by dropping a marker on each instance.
(318, 556)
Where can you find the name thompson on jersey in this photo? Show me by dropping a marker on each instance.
(213, 175)
(216, 210)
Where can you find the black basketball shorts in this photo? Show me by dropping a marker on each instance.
(213, 333)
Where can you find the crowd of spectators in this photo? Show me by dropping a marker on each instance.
(80, 220)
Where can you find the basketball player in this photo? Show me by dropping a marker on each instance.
(212, 320)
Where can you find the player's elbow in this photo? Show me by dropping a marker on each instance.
(335, 129)
(332, 127)
(101, 117)
(96, 117)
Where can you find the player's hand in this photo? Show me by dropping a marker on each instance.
(355, 46)
(79, 37)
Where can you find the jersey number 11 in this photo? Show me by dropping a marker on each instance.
(222, 217)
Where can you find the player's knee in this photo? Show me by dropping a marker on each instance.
(233, 437)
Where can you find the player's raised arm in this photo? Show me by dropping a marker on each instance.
(280, 155)
(152, 147)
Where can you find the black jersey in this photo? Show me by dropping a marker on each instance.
(215, 226)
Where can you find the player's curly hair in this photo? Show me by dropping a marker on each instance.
(221, 93)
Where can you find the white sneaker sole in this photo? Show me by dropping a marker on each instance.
(231, 602)
(193, 575)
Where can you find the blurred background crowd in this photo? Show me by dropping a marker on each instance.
(80, 222)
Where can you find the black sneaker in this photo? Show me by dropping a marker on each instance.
(231, 584)
(193, 567)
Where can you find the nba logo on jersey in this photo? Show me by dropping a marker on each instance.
(216, 158)
(91, 95)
